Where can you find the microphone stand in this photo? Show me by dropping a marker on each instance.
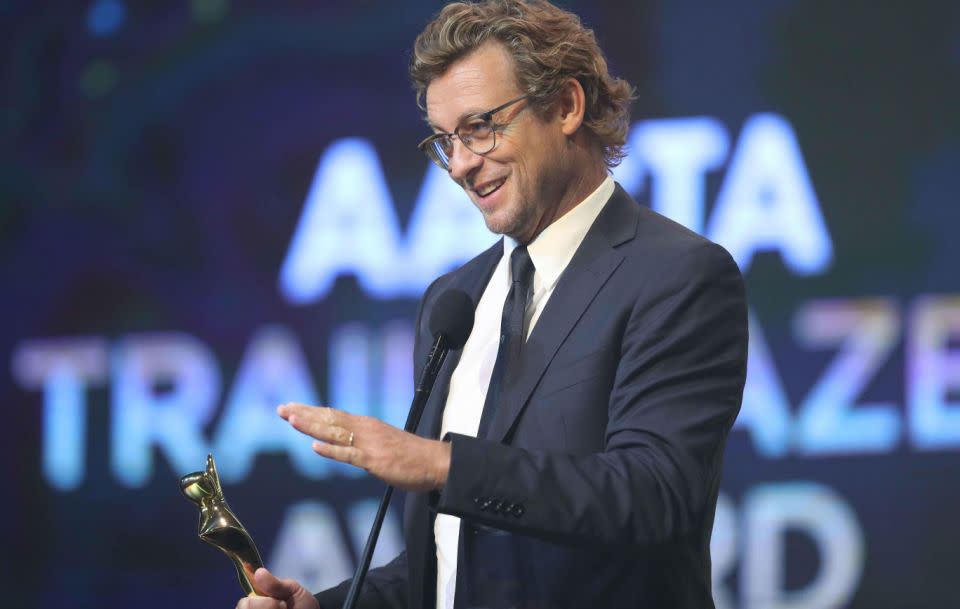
(435, 358)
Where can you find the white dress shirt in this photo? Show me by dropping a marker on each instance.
(550, 252)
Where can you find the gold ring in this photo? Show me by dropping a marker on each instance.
(350, 440)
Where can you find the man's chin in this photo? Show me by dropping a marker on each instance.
(499, 226)
(504, 224)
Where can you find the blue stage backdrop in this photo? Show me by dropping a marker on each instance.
(209, 207)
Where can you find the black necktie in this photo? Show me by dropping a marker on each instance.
(511, 334)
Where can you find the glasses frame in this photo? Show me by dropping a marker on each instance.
(428, 145)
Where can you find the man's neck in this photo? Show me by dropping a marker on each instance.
(581, 184)
(581, 187)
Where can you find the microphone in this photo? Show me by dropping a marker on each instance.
(451, 321)
(450, 324)
(452, 318)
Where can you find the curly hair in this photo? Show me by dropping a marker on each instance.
(549, 45)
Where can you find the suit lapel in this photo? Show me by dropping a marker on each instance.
(472, 281)
(595, 260)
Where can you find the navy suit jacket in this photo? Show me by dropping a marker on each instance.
(597, 483)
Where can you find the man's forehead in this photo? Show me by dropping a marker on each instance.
(460, 82)
(471, 85)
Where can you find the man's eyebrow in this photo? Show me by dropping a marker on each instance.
(460, 119)
(471, 113)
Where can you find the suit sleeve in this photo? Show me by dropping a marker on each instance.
(676, 392)
(384, 588)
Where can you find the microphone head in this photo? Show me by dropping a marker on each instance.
(452, 317)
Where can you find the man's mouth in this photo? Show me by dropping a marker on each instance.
(489, 188)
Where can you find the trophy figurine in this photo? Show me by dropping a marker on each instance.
(219, 526)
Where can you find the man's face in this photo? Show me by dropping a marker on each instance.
(519, 185)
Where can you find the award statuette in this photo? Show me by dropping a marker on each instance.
(219, 527)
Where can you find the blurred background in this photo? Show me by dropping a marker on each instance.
(210, 207)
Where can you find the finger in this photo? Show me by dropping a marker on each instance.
(331, 434)
(288, 408)
(323, 414)
(343, 454)
(267, 584)
(261, 602)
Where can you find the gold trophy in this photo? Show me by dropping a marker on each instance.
(219, 526)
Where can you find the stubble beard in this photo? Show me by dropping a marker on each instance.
(515, 224)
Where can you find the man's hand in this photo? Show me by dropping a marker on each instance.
(279, 594)
(403, 460)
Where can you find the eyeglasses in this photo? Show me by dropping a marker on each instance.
(477, 132)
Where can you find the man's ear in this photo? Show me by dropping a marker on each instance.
(572, 105)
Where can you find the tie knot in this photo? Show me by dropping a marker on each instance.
(521, 266)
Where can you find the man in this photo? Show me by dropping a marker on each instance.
(570, 454)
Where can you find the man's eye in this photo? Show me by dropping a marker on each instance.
(475, 129)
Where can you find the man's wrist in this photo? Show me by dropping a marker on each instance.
(442, 467)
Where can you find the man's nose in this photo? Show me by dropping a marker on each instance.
(463, 161)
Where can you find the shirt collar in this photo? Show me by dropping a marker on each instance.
(554, 247)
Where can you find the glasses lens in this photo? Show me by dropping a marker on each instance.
(439, 152)
(478, 136)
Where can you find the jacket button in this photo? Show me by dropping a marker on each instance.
(485, 504)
